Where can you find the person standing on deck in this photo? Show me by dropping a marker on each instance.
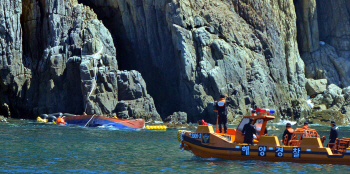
(249, 131)
(289, 131)
(221, 107)
(306, 125)
(333, 135)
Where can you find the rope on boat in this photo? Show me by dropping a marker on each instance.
(94, 81)
(89, 120)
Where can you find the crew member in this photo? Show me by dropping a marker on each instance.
(202, 122)
(289, 131)
(221, 107)
(333, 135)
(249, 131)
(306, 125)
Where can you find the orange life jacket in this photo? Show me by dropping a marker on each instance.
(305, 126)
(290, 130)
(60, 120)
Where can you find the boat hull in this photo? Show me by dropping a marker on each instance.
(96, 120)
(208, 144)
(320, 155)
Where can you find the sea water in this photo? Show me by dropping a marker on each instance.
(29, 147)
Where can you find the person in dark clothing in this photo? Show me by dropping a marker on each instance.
(289, 131)
(249, 131)
(333, 135)
(221, 107)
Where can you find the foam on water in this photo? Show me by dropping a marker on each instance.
(284, 122)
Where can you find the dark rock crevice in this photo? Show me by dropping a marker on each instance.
(143, 43)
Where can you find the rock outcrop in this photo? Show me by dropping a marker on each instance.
(315, 86)
(135, 102)
(3, 119)
(14, 75)
(199, 49)
(176, 118)
(334, 104)
(323, 40)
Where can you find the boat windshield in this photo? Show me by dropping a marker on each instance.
(258, 125)
(243, 122)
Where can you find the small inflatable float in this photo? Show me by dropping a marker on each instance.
(305, 146)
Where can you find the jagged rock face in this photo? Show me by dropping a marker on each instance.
(199, 49)
(144, 43)
(56, 75)
(308, 36)
(14, 76)
(99, 84)
(135, 102)
(54, 31)
(324, 47)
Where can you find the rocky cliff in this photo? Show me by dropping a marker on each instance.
(56, 72)
(199, 49)
(187, 51)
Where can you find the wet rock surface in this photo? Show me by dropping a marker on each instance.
(3, 119)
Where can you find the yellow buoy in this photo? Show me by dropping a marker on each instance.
(159, 127)
(38, 119)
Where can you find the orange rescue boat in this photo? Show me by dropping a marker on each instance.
(305, 145)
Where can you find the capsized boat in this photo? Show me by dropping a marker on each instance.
(98, 120)
(305, 146)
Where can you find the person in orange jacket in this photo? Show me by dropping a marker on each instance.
(306, 125)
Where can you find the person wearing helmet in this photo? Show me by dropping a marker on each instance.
(289, 131)
(333, 135)
(221, 107)
(249, 131)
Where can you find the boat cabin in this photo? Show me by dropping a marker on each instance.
(260, 117)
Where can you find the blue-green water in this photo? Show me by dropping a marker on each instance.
(27, 147)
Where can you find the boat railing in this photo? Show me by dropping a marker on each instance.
(298, 135)
(340, 145)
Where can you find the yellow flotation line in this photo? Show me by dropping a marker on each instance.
(40, 120)
(162, 127)
(179, 134)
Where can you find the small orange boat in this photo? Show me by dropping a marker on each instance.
(305, 145)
